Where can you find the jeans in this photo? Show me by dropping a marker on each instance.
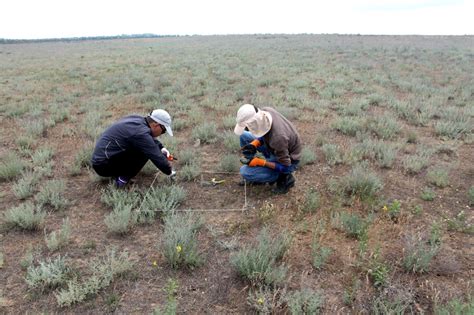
(126, 164)
(260, 174)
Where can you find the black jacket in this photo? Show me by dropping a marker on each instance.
(130, 133)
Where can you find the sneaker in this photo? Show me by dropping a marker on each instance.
(121, 181)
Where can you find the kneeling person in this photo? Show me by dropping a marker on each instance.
(125, 147)
(270, 133)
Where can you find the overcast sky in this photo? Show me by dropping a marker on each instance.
(28, 19)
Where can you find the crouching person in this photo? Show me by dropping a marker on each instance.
(267, 131)
(125, 147)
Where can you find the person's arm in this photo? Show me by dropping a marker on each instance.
(151, 148)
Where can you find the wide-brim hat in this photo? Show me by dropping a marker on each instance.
(258, 123)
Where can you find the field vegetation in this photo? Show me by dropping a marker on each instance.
(380, 220)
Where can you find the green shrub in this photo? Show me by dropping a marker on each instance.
(171, 290)
(311, 202)
(114, 197)
(319, 254)
(189, 172)
(42, 156)
(333, 154)
(360, 182)
(456, 307)
(385, 127)
(266, 300)
(58, 239)
(229, 163)
(24, 216)
(104, 271)
(349, 125)
(427, 194)
(438, 177)
(36, 128)
(10, 166)
(307, 157)
(206, 133)
(413, 164)
(231, 141)
(453, 129)
(353, 225)
(50, 194)
(121, 219)
(418, 255)
(305, 301)
(165, 199)
(49, 274)
(460, 223)
(25, 186)
(82, 159)
(179, 242)
(189, 157)
(470, 196)
(258, 263)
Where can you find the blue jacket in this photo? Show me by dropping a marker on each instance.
(130, 133)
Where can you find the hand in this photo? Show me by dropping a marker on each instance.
(172, 176)
(249, 150)
(257, 162)
(167, 154)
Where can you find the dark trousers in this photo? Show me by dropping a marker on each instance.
(126, 164)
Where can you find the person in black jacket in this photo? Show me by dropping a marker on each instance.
(124, 147)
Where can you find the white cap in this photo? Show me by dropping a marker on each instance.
(258, 123)
(163, 118)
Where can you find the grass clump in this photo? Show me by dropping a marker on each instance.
(121, 219)
(180, 244)
(82, 159)
(206, 133)
(267, 300)
(319, 254)
(470, 196)
(414, 164)
(165, 199)
(229, 163)
(103, 272)
(349, 126)
(25, 186)
(58, 239)
(171, 290)
(438, 177)
(42, 156)
(25, 216)
(352, 224)
(10, 166)
(427, 194)
(259, 263)
(311, 202)
(49, 274)
(305, 301)
(333, 154)
(385, 127)
(359, 183)
(50, 194)
(419, 254)
(307, 157)
(231, 142)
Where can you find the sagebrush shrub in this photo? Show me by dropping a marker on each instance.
(25, 186)
(229, 163)
(58, 239)
(360, 182)
(25, 216)
(179, 242)
(51, 194)
(103, 271)
(206, 133)
(121, 219)
(10, 166)
(305, 301)
(260, 263)
(49, 274)
(307, 157)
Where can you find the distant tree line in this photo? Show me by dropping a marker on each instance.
(76, 39)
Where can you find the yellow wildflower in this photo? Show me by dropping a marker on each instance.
(179, 248)
(385, 208)
(260, 301)
(154, 263)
